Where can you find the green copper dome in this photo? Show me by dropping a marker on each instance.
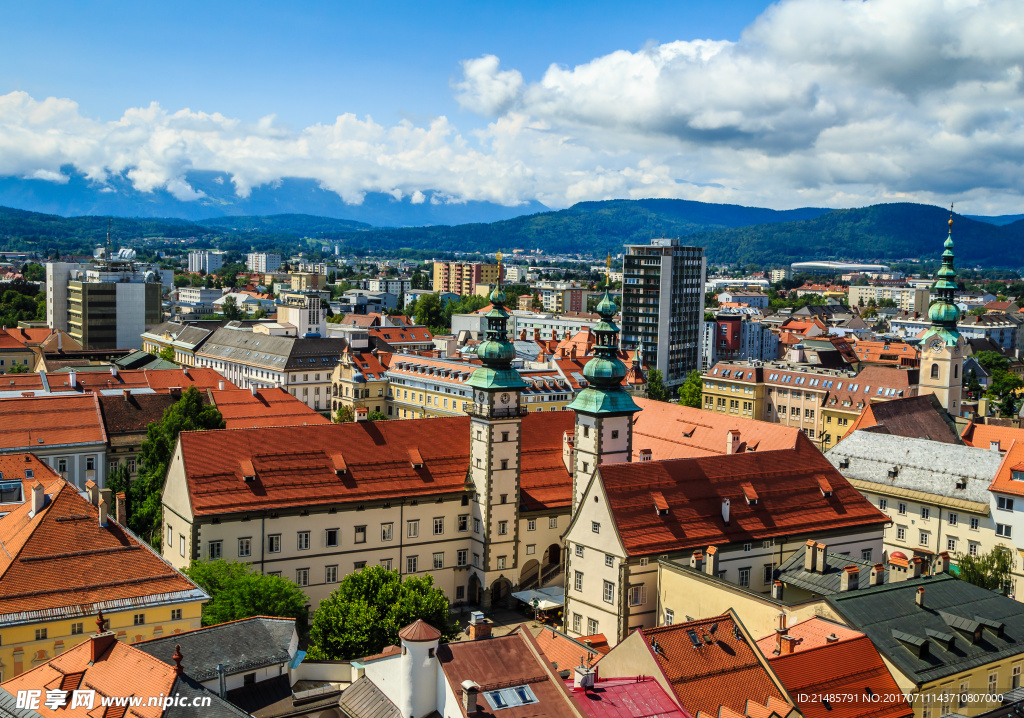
(941, 313)
(496, 351)
(944, 313)
(605, 372)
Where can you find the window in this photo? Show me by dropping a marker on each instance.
(592, 627)
(883, 504)
(504, 465)
(637, 595)
(181, 544)
(360, 534)
(387, 531)
(924, 538)
(975, 523)
(302, 542)
(40, 634)
(670, 616)
(170, 536)
(744, 577)
(993, 679)
(504, 436)
(331, 537)
(330, 574)
(1015, 677)
(412, 528)
(1004, 503)
(412, 564)
(501, 562)
(476, 525)
(139, 619)
(609, 560)
(925, 513)
(609, 592)
(358, 565)
(865, 554)
(552, 522)
(274, 543)
(577, 622)
(965, 687)
(386, 563)
(579, 550)
(578, 583)
(595, 527)
(901, 508)
(1003, 530)
(302, 577)
(215, 550)
(175, 614)
(951, 544)
(460, 592)
(952, 518)
(748, 547)
(769, 574)
(439, 560)
(502, 528)
(244, 547)
(438, 526)
(531, 524)
(644, 561)
(461, 557)
(901, 533)
(531, 549)
(76, 628)
(464, 522)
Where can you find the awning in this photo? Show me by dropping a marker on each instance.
(546, 598)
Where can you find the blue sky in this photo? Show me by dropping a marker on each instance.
(834, 103)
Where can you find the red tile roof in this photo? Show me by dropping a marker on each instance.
(61, 558)
(269, 407)
(982, 436)
(44, 421)
(13, 468)
(786, 481)
(849, 667)
(565, 652)
(159, 380)
(1012, 464)
(723, 672)
(898, 353)
(627, 698)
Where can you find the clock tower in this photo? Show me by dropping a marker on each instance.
(495, 449)
(942, 348)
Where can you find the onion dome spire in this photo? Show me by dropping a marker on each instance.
(944, 313)
(496, 351)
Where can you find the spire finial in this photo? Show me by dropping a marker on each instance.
(100, 623)
(950, 216)
(498, 257)
(177, 660)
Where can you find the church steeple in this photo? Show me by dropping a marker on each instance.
(944, 313)
(942, 346)
(496, 351)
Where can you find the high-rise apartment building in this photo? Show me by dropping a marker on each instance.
(909, 299)
(205, 262)
(105, 305)
(262, 262)
(463, 277)
(735, 336)
(663, 305)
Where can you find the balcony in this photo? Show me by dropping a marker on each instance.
(484, 411)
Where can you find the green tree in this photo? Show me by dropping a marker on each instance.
(690, 391)
(144, 495)
(992, 361)
(34, 272)
(167, 354)
(973, 385)
(1003, 388)
(376, 416)
(428, 311)
(656, 385)
(989, 570)
(237, 591)
(369, 608)
(230, 309)
(18, 369)
(344, 415)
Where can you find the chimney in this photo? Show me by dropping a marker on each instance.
(469, 696)
(100, 641)
(103, 510)
(788, 645)
(252, 390)
(877, 574)
(568, 447)
(72, 379)
(121, 515)
(732, 441)
(942, 564)
(820, 550)
(479, 627)
(572, 352)
(711, 564)
(536, 335)
(777, 590)
(780, 632)
(220, 385)
(93, 492)
(850, 579)
(178, 670)
(810, 558)
(994, 446)
(113, 371)
(725, 511)
(831, 638)
(919, 597)
(222, 680)
(38, 497)
(918, 566)
(697, 560)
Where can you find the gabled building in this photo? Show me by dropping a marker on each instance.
(991, 436)
(915, 417)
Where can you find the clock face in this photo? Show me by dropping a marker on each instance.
(504, 398)
(481, 397)
(935, 345)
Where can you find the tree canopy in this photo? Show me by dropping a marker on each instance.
(369, 608)
(237, 591)
(690, 391)
(989, 570)
(656, 385)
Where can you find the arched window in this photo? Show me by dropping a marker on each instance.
(956, 371)
(935, 371)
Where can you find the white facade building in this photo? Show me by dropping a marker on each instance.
(262, 262)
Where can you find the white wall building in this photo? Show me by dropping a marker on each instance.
(262, 262)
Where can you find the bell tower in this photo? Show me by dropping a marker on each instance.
(942, 348)
(604, 409)
(495, 449)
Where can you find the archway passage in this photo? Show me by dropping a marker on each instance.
(473, 596)
(530, 573)
(501, 593)
(553, 555)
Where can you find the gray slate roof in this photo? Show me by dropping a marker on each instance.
(242, 646)
(922, 465)
(365, 700)
(792, 573)
(885, 612)
(188, 335)
(274, 353)
(189, 689)
(8, 707)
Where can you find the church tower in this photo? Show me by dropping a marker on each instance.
(604, 409)
(942, 348)
(495, 448)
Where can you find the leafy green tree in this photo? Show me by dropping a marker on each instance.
(144, 494)
(1004, 387)
(690, 391)
(989, 570)
(19, 369)
(369, 608)
(656, 386)
(167, 354)
(376, 416)
(34, 272)
(230, 309)
(992, 361)
(237, 591)
(344, 415)
(336, 318)
(428, 311)
(973, 385)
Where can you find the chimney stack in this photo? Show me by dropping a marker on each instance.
(121, 513)
(697, 560)
(732, 441)
(220, 385)
(178, 670)
(942, 565)
(725, 511)
(38, 497)
(777, 590)
(469, 696)
(103, 512)
(93, 492)
(918, 566)
(877, 574)
(711, 564)
(788, 645)
(821, 552)
(253, 390)
(831, 638)
(479, 627)
(810, 557)
(113, 371)
(919, 597)
(850, 579)
(100, 641)
(780, 632)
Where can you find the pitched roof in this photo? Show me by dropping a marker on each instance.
(62, 562)
(916, 417)
(808, 634)
(363, 699)
(276, 353)
(850, 667)
(133, 413)
(672, 431)
(955, 609)
(25, 469)
(562, 651)
(710, 665)
(791, 500)
(504, 662)
(267, 407)
(244, 645)
(822, 582)
(627, 698)
(39, 422)
(295, 466)
(1013, 463)
(120, 670)
(984, 435)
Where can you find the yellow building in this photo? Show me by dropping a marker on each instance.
(67, 558)
(359, 382)
(735, 390)
(463, 277)
(307, 281)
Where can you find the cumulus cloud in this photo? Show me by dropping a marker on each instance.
(823, 102)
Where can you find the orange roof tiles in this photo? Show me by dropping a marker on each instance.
(45, 421)
(13, 469)
(898, 353)
(61, 558)
(565, 652)
(787, 482)
(983, 436)
(269, 407)
(1005, 481)
(810, 633)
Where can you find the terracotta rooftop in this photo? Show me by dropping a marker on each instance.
(915, 417)
(982, 436)
(31, 423)
(791, 499)
(564, 652)
(23, 469)
(811, 633)
(419, 632)
(627, 698)
(268, 407)
(1012, 466)
(61, 561)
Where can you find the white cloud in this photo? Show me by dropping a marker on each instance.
(820, 102)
